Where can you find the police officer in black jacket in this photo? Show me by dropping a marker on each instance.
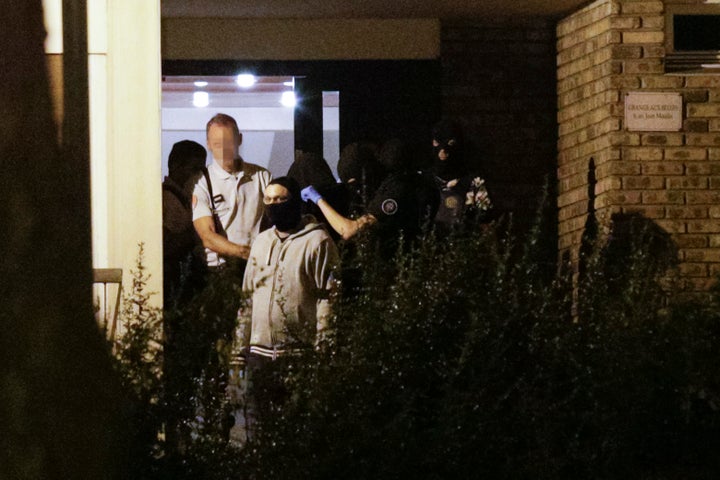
(403, 203)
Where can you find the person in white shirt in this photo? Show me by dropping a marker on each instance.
(228, 210)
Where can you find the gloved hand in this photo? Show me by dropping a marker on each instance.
(309, 194)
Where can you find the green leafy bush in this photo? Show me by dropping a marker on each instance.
(173, 365)
(138, 360)
(458, 359)
(462, 358)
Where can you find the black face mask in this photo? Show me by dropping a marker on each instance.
(285, 216)
(451, 167)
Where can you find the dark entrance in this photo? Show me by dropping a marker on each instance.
(379, 99)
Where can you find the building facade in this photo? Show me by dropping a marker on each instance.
(608, 53)
(541, 95)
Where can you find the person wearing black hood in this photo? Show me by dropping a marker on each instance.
(310, 168)
(289, 279)
(463, 194)
(403, 202)
(292, 263)
(183, 253)
(361, 173)
(184, 271)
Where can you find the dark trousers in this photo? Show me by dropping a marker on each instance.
(195, 360)
(267, 392)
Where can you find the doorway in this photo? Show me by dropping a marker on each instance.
(263, 106)
(370, 99)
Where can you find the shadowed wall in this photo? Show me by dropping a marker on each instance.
(58, 394)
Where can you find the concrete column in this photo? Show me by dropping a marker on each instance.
(125, 88)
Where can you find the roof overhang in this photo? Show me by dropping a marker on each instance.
(445, 9)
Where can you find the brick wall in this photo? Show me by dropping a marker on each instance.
(605, 50)
(586, 95)
(498, 81)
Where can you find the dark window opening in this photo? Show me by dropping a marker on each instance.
(696, 32)
(692, 39)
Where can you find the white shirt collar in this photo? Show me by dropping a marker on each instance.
(222, 173)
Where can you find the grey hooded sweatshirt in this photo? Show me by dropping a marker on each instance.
(288, 283)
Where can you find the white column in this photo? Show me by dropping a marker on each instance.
(125, 86)
(97, 77)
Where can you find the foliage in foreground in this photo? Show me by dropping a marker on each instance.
(173, 364)
(460, 359)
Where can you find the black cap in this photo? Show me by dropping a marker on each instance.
(310, 169)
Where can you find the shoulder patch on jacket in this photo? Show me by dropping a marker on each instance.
(389, 206)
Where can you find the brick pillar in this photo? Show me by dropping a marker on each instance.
(605, 50)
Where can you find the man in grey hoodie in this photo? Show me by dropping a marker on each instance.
(289, 280)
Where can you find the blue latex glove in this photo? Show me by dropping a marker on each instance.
(309, 194)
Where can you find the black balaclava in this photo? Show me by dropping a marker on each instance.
(286, 215)
(396, 156)
(448, 137)
(310, 169)
(359, 168)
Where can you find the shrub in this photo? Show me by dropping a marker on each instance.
(173, 365)
(138, 360)
(460, 357)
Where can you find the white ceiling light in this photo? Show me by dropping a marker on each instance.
(200, 83)
(201, 99)
(288, 99)
(246, 80)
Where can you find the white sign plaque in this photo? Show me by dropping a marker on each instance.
(653, 112)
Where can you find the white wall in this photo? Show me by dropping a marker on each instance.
(268, 138)
(124, 76)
